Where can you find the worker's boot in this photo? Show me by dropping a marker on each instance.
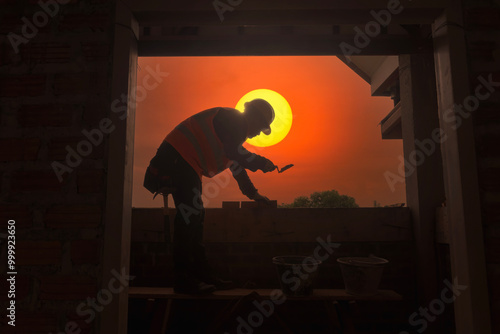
(204, 272)
(218, 283)
(191, 285)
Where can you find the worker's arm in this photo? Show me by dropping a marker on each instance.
(231, 128)
(246, 186)
(244, 183)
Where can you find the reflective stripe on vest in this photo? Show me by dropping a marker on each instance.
(196, 141)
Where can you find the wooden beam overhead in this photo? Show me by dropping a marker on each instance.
(278, 45)
(204, 5)
(283, 17)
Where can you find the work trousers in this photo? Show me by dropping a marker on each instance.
(188, 249)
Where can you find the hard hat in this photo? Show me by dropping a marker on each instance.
(265, 110)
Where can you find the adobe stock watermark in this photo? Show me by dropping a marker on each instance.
(266, 308)
(94, 137)
(453, 117)
(221, 7)
(420, 320)
(372, 29)
(29, 30)
(91, 306)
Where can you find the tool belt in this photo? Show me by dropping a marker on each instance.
(154, 181)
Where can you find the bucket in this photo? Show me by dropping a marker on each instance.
(296, 274)
(362, 275)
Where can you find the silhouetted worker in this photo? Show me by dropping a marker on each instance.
(205, 144)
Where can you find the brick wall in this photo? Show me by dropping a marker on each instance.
(240, 244)
(248, 260)
(482, 26)
(55, 86)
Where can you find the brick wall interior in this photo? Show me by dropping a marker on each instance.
(57, 85)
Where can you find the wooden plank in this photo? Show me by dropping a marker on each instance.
(391, 124)
(279, 45)
(318, 294)
(120, 143)
(472, 311)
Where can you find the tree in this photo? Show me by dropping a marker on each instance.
(323, 199)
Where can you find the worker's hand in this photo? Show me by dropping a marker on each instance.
(269, 166)
(259, 198)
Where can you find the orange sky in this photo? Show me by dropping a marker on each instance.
(335, 140)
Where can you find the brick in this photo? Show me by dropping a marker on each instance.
(57, 148)
(38, 253)
(80, 83)
(90, 181)
(22, 287)
(73, 216)
(85, 22)
(67, 287)
(85, 251)
(35, 181)
(48, 115)
(46, 53)
(14, 149)
(254, 204)
(30, 323)
(230, 205)
(18, 212)
(23, 85)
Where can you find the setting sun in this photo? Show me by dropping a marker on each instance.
(282, 121)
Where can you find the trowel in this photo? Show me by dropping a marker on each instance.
(284, 168)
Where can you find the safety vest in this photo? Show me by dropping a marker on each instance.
(196, 141)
